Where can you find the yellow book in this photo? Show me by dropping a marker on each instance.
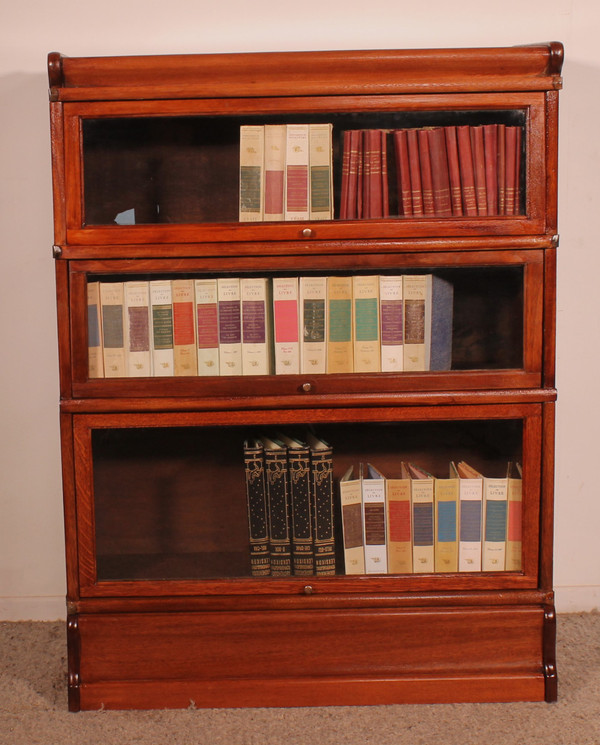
(94, 324)
(514, 540)
(352, 522)
(367, 347)
(398, 513)
(340, 358)
(446, 524)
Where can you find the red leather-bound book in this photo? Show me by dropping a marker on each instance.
(344, 196)
(511, 174)
(490, 144)
(415, 172)
(440, 177)
(467, 175)
(517, 208)
(478, 149)
(501, 169)
(403, 172)
(385, 191)
(453, 171)
(426, 179)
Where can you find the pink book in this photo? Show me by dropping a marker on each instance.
(286, 325)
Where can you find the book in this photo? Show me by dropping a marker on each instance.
(414, 293)
(514, 538)
(495, 511)
(439, 304)
(321, 474)
(300, 490)
(367, 346)
(185, 355)
(426, 175)
(274, 168)
(352, 522)
(416, 185)
(313, 324)
(470, 517)
(454, 174)
(297, 184)
(161, 337)
(113, 329)
(321, 171)
(256, 306)
(440, 176)
(478, 151)
(94, 331)
(374, 520)
(422, 500)
(446, 500)
(230, 325)
(490, 146)
(391, 314)
(286, 325)
(399, 523)
(252, 145)
(340, 348)
(345, 178)
(137, 328)
(256, 497)
(207, 325)
(467, 173)
(278, 501)
(400, 140)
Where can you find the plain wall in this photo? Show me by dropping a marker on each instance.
(31, 532)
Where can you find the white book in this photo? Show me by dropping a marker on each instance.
(374, 521)
(422, 487)
(352, 522)
(113, 329)
(391, 313)
(230, 326)
(94, 327)
(274, 183)
(321, 182)
(286, 325)
(207, 325)
(137, 329)
(252, 144)
(256, 325)
(297, 188)
(161, 327)
(313, 324)
(470, 519)
(495, 513)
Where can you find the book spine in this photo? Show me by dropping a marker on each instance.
(495, 520)
(340, 357)
(352, 525)
(260, 560)
(440, 177)
(275, 149)
(426, 176)
(321, 467)
(230, 326)
(414, 290)
(374, 520)
(438, 324)
(255, 308)
(400, 139)
(514, 538)
(207, 324)
(471, 513)
(467, 172)
(392, 326)
(280, 540)
(399, 526)
(478, 149)
(412, 140)
(454, 171)
(367, 346)
(446, 525)
(113, 329)
(303, 555)
(321, 177)
(252, 148)
(313, 324)
(137, 329)
(185, 354)
(490, 142)
(297, 172)
(94, 331)
(161, 299)
(286, 325)
(423, 534)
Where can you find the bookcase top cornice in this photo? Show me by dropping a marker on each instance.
(535, 67)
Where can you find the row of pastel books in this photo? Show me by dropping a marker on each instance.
(417, 523)
(265, 326)
(451, 171)
(289, 488)
(286, 172)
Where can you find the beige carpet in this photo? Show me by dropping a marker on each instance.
(33, 707)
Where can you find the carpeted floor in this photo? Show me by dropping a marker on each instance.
(33, 707)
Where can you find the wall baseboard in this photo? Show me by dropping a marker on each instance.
(52, 608)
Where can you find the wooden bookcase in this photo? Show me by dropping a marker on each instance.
(162, 606)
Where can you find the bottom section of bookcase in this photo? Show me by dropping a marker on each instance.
(310, 658)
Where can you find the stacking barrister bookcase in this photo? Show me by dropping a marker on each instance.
(436, 167)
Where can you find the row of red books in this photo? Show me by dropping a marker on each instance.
(451, 171)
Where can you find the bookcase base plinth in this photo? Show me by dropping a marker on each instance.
(310, 658)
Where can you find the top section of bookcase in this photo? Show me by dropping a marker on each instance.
(521, 68)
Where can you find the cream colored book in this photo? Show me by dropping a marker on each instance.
(256, 304)
(161, 327)
(137, 329)
(94, 326)
(297, 187)
(230, 326)
(113, 329)
(313, 324)
(422, 497)
(352, 522)
(391, 313)
(446, 500)
(414, 291)
(185, 356)
(495, 510)
(274, 183)
(514, 539)
(321, 180)
(340, 348)
(399, 532)
(252, 153)
(207, 326)
(365, 301)
(470, 517)
(374, 521)
(286, 325)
